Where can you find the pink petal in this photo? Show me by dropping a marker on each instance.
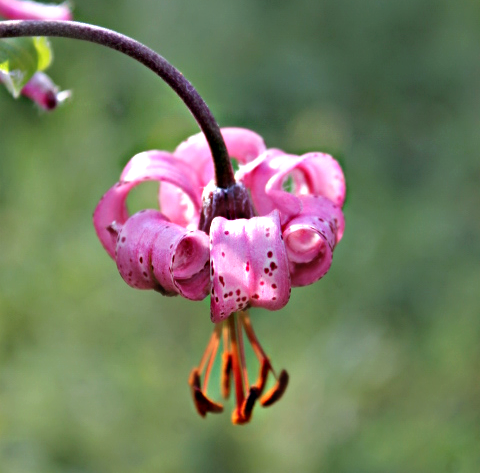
(243, 145)
(315, 174)
(310, 239)
(180, 193)
(111, 211)
(248, 265)
(256, 176)
(153, 253)
(311, 174)
(41, 89)
(29, 10)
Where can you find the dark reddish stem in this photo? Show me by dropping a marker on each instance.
(146, 56)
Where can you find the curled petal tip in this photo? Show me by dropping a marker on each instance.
(153, 253)
(310, 239)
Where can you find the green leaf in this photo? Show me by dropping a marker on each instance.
(20, 58)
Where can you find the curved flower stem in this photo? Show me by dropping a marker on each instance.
(146, 56)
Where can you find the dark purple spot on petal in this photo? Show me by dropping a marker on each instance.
(238, 292)
(230, 293)
(273, 266)
(123, 239)
(216, 299)
(255, 296)
(274, 286)
(225, 295)
(141, 259)
(274, 298)
(227, 232)
(266, 270)
(222, 281)
(270, 254)
(244, 298)
(145, 274)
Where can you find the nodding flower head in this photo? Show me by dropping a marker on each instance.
(245, 246)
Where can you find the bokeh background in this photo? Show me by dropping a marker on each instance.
(383, 353)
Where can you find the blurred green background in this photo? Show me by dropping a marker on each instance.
(383, 353)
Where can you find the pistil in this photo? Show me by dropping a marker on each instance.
(234, 361)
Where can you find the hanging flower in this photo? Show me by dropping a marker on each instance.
(206, 240)
(244, 239)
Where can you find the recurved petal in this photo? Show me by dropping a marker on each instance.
(163, 167)
(111, 212)
(248, 265)
(29, 10)
(310, 239)
(180, 193)
(242, 144)
(312, 174)
(277, 180)
(257, 174)
(153, 253)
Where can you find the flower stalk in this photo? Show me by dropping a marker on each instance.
(149, 58)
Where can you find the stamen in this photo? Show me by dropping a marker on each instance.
(226, 362)
(226, 374)
(262, 375)
(249, 403)
(274, 394)
(234, 361)
(257, 348)
(202, 403)
(237, 417)
(241, 347)
(208, 351)
(215, 341)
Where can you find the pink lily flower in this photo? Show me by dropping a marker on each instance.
(249, 260)
(40, 88)
(29, 10)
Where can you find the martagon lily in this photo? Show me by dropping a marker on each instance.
(243, 255)
(244, 239)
